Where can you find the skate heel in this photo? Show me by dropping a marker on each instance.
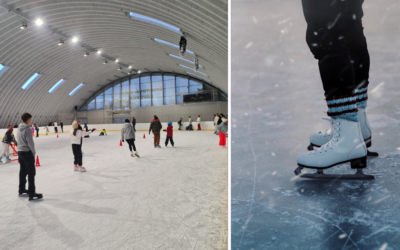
(359, 163)
(368, 142)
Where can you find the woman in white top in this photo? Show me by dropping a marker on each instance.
(75, 136)
(198, 123)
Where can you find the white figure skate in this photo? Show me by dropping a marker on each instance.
(322, 137)
(346, 144)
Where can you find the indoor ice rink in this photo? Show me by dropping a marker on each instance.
(102, 62)
(277, 102)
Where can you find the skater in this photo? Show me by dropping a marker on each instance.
(76, 139)
(198, 123)
(7, 140)
(62, 126)
(337, 41)
(55, 127)
(15, 125)
(87, 129)
(180, 124)
(37, 130)
(216, 119)
(103, 132)
(80, 128)
(156, 127)
(190, 127)
(128, 133)
(134, 123)
(26, 158)
(170, 131)
(47, 130)
(222, 130)
(33, 130)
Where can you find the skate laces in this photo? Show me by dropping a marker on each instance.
(325, 133)
(332, 142)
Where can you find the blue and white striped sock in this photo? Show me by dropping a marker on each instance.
(361, 97)
(344, 107)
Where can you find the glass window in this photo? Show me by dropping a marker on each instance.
(100, 101)
(135, 92)
(117, 97)
(195, 86)
(169, 89)
(145, 90)
(181, 87)
(125, 95)
(108, 99)
(157, 89)
(91, 105)
(119, 120)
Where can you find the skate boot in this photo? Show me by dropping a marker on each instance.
(137, 155)
(322, 137)
(346, 145)
(158, 146)
(35, 196)
(76, 168)
(155, 145)
(132, 153)
(23, 192)
(8, 160)
(82, 169)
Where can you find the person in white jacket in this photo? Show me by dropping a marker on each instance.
(55, 127)
(198, 123)
(216, 118)
(75, 136)
(128, 134)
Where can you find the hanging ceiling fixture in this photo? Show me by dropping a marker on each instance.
(23, 26)
(87, 53)
(61, 42)
(105, 62)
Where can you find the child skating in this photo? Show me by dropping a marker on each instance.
(76, 139)
(170, 131)
(128, 134)
(222, 130)
(103, 132)
(7, 140)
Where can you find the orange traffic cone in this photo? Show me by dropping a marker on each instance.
(144, 136)
(37, 162)
(120, 142)
(57, 135)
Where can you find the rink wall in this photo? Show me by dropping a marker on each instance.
(206, 126)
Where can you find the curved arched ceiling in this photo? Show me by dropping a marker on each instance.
(103, 25)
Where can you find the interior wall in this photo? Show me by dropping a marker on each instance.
(166, 113)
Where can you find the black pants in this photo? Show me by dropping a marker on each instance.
(62, 129)
(131, 143)
(335, 37)
(77, 150)
(169, 139)
(55, 130)
(27, 168)
(37, 133)
(180, 126)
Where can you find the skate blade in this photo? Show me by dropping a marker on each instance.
(36, 198)
(338, 176)
(369, 153)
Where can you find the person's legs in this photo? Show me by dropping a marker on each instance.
(155, 140)
(157, 137)
(130, 142)
(166, 141)
(31, 170)
(172, 141)
(75, 149)
(326, 36)
(133, 145)
(22, 172)
(37, 133)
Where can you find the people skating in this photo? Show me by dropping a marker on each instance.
(55, 127)
(180, 124)
(62, 126)
(222, 130)
(37, 130)
(76, 139)
(156, 127)
(85, 126)
(128, 134)
(7, 140)
(344, 68)
(216, 119)
(80, 128)
(15, 125)
(103, 132)
(26, 158)
(33, 130)
(134, 123)
(198, 123)
(190, 127)
(47, 129)
(170, 132)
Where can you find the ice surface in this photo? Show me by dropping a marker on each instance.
(277, 102)
(169, 198)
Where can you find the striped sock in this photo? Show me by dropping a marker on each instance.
(362, 97)
(344, 107)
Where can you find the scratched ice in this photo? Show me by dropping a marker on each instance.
(274, 110)
(170, 198)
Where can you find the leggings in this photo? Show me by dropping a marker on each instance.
(77, 150)
(169, 139)
(336, 39)
(131, 143)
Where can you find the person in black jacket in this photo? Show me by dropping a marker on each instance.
(180, 124)
(134, 123)
(80, 128)
(62, 126)
(37, 130)
(15, 125)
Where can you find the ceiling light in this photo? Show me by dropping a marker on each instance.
(129, 73)
(86, 54)
(23, 26)
(39, 22)
(31, 80)
(139, 71)
(76, 89)
(61, 42)
(56, 85)
(119, 68)
(116, 60)
(130, 66)
(99, 52)
(74, 39)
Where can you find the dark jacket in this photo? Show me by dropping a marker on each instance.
(9, 138)
(133, 121)
(180, 122)
(79, 127)
(61, 124)
(155, 126)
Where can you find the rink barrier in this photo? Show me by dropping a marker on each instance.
(117, 127)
